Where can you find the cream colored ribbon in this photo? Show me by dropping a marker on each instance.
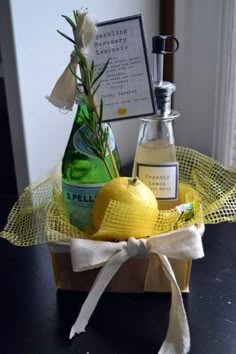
(180, 244)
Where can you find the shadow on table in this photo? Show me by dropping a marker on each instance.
(121, 323)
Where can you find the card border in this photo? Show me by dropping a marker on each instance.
(125, 19)
(164, 164)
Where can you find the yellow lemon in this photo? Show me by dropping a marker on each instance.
(124, 207)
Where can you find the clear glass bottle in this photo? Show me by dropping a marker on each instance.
(155, 158)
(83, 174)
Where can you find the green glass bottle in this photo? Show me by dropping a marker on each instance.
(83, 174)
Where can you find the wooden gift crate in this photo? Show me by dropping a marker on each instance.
(137, 275)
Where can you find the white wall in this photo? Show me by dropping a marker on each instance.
(42, 55)
(197, 28)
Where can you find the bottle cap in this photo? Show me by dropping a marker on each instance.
(163, 90)
(163, 95)
(159, 44)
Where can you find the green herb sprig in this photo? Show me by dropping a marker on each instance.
(97, 139)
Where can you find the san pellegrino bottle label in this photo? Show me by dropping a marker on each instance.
(81, 146)
(161, 178)
(79, 199)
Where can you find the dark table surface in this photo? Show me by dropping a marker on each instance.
(36, 318)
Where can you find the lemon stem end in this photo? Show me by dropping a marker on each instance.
(133, 181)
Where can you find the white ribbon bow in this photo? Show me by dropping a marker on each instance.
(180, 244)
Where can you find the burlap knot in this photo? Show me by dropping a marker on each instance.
(180, 244)
(136, 247)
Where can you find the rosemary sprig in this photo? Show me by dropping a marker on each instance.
(97, 139)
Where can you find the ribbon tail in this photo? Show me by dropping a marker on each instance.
(177, 340)
(64, 91)
(104, 277)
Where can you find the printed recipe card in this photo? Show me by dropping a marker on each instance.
(125, 87)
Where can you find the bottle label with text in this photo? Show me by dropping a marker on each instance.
(79, 200)
(161, 178)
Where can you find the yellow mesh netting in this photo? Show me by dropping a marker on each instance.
(39, 215)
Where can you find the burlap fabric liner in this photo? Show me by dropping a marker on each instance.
(39, 216)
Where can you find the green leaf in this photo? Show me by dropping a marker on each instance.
(106, 133)
(87, 101)
(100, 73)
(95, 90)
(91, 72)
(101, 110)
(94, 119)
(74, 73)
(91, 145)
(94, 122)
(79, 90)
(82, 58)
(76, 16)
(73, 25)
(67, 37)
